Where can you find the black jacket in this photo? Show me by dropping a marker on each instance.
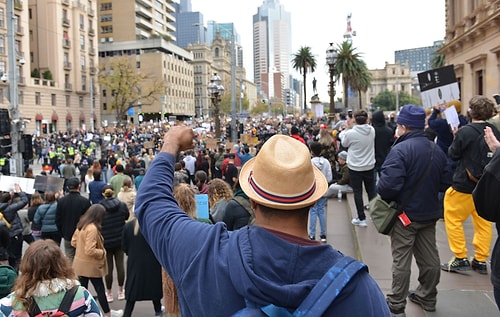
(112, 226)
(384, 138)
(9, 211)
(461, 150)
(69, 210)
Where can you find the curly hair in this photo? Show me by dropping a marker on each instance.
(217, 190)
(481, 108)
(42, 261)
(184, 194)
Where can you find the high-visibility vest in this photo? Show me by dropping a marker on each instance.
(52, 154)
(71, 151)
(2, 161)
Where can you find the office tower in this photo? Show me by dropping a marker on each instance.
(190, 27)
(419, 58)
(272, 49)
(153, 18)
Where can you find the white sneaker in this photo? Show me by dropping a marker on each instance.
(117, 313)
(357, 222)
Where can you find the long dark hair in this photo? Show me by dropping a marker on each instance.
(95, 215)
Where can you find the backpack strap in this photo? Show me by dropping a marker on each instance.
(324, 292)
(67, 300)
(64, 307)
(329, 287)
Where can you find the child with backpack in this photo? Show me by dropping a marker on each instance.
(48, 286)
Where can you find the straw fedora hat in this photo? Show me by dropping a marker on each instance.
(282, 176)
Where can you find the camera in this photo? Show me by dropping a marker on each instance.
(4, 78)
(22, 61)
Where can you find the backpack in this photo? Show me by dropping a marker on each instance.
(245, 203)
(319, 299)
(7, 278)
(480, 154)
(486, 202)
(63, 309)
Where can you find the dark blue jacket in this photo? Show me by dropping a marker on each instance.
(442, 129)
(215, 269)
(402, 170)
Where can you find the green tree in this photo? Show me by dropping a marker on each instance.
(35, 73)
(361, 81)
(386, 100)
(129, 86)
(47, 75)
(437, 59)
(304, 61)
(348, 65)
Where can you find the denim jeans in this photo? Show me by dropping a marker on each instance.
(317, 211)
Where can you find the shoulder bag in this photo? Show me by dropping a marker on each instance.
(384, 214)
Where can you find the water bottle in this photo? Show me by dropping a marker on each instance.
(339, 195)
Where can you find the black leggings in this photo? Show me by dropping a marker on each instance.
(99, 288)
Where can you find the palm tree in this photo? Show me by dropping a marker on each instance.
(347, 65)
(303, 61)
(362, 80)
(437, 59)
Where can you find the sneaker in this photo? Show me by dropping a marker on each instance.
(322, 238)
(121, 295)
(312, 238)
(109, 297)
(357, 222)
(479, 267)
(160, 313)
(117, 313)
(456, 265)
(414, 298)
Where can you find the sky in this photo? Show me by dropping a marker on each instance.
(382, 27)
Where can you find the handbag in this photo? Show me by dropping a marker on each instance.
(384, 214)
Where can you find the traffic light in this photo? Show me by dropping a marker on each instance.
(44, 128)
(228, 132)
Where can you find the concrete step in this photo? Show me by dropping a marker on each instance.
(459, 294)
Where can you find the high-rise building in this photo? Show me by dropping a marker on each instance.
(190, 27)
(149, 45)
(56, 63)
(272, 49)
(151, 19)
(472, 46)
(419, 58)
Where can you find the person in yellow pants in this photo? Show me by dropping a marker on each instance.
(458, 201)
(458, 207)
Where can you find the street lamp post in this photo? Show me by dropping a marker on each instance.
(331, 60)
(216, 90)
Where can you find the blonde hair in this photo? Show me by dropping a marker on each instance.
(184, 194)
(217, 190)
(325, 137)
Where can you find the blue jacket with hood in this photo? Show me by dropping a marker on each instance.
(215, 270)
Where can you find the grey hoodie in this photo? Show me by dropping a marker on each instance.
(360, 141)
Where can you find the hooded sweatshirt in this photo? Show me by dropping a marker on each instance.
(215, 270)
(384, 138)
(114, 221)
(360, 141)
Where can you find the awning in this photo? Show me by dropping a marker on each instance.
(38, 117)
(82, 117)
(55, 117)
(69, 117)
